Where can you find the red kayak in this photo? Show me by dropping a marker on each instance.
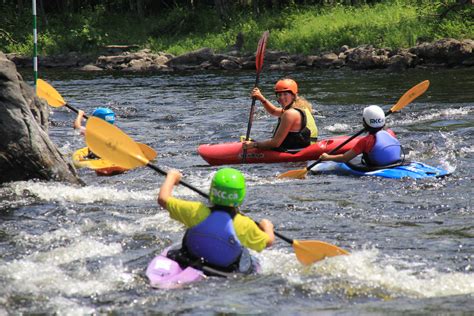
(231, 153)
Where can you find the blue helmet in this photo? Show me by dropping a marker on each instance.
(105, 113)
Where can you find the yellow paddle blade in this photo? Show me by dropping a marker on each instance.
(294, 174)
(110, 143)
(311, 251)
(149, 152)
(47, 92)
(411, 95)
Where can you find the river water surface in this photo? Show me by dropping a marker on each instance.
(84, 250)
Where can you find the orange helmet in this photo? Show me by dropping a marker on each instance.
(286, 85)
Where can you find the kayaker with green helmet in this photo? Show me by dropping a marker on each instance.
(103, 113)
(217, 236)
(296, 128)
(379, 148)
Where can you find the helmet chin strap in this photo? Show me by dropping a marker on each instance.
(289, 106)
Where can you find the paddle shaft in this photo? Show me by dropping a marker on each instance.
(75, 110)
(161, 171)
(252, 109)
(258, 65)
(343, 143)
(187, 185)
(249, 125)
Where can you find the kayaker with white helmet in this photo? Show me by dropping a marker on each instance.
(379, 148)
(217, 236)
(296, 127)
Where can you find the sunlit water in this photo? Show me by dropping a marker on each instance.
(83, 250)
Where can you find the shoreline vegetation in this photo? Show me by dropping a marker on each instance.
(145, 35)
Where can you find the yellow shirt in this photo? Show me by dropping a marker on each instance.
(191, 213)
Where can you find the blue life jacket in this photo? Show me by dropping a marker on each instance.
(386, 151)
(214, 240)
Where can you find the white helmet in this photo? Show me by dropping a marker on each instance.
(374, 116)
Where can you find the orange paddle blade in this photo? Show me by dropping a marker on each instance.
(411, 95)
(149, 152)
(310, 251)
(110, 143)
(294, 174)
(47, 92)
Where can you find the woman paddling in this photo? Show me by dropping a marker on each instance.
(379, 148)
(217, 236)
(296, 128)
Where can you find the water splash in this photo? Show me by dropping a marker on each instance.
(59, 192)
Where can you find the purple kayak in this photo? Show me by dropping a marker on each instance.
(165, 273)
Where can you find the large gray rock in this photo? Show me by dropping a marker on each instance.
(26, 152)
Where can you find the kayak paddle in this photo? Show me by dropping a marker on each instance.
(54, 99)
(110, 142)
(405, 99)
(262, 43)
(52, 96)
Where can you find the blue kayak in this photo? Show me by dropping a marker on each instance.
(414, 170)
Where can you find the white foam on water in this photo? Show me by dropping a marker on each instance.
(363, 273)
(434, 115)
(161, 221)
(338, 128)
(53, 191)
(65, 306)
(81, 249)
(55, 271)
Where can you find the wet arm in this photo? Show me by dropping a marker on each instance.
(267, 227)
(166, 189)
(345, 157)
(78, 120)
(269, 107)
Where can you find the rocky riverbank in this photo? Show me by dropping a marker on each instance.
(26, 151)
(442, 53)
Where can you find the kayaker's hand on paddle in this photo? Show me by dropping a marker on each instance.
(257, 95)
(267, 227)
(78, 122)
(324, 157)
(174, 176)
(172, 179)
(249, 144)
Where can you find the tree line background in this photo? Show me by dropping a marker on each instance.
(151, 7)
(177, 26)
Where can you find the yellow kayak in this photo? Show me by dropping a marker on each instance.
(104, 167)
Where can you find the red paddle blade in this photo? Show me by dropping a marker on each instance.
(262, 43)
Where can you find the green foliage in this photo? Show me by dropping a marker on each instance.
(295, 29)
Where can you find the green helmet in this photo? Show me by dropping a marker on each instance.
(227, 187)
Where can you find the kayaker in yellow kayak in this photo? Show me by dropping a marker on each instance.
(103, 113)
(217, 236)
(379, 148)
(296, 128)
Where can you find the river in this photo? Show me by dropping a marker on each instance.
(83, 250)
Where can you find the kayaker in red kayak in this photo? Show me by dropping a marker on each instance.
(379, 148)
(296, 128)
(217, 236)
